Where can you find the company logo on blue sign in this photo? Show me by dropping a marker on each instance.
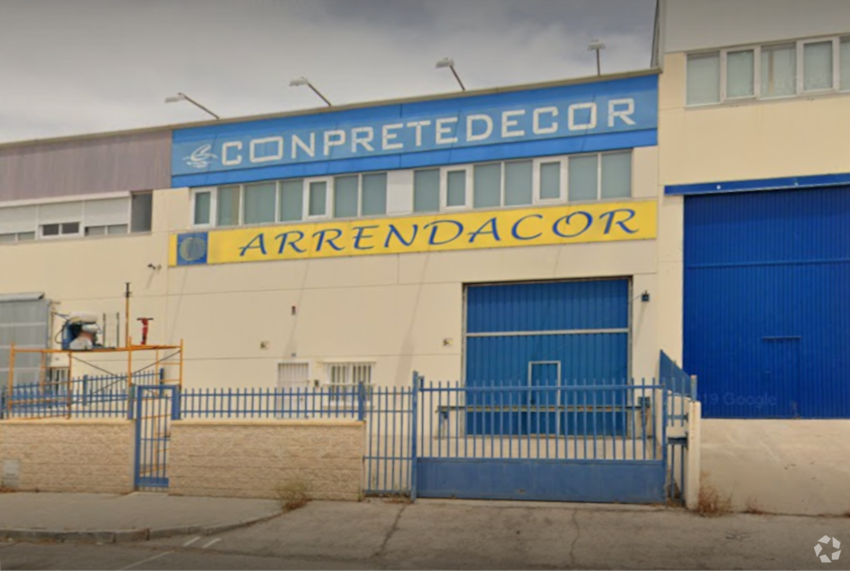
(192, 248)
(571, 118)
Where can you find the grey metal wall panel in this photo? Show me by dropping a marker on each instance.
(26, 324)
(128, 162)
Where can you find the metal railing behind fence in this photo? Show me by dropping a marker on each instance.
(613, 421)
(89, 396)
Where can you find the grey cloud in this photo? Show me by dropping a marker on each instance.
(90, 65)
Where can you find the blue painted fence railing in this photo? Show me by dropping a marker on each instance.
(560, 440)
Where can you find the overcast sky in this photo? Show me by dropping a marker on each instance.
(79, 66)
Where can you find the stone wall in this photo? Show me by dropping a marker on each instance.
(92, 456)
(252, 459)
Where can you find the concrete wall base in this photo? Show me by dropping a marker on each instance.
(779, 466)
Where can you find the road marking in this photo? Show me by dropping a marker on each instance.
(146, 560)
(214, 541)
(191, 541)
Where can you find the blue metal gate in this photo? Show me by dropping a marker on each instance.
(154, 406)
(550, 441)
(766, 310)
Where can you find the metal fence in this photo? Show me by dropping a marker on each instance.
(569, 421)
(89, 396)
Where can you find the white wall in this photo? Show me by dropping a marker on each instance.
(699, 24)
(401, 311)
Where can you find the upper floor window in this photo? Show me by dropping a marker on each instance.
(514, 183)
(90, 217)
(763, 72)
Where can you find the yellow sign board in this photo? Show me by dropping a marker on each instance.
(536, 226)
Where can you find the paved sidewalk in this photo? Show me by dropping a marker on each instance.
(456, 534)
(108, 518)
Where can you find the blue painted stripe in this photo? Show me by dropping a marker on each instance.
(588, 144)
(759, 184)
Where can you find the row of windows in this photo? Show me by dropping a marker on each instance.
(763, 72)
(96, 217)
(590, 177)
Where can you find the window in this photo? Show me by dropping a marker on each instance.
(104, 230)
(203, 208)
(817, 66)
(260, 203)
(293, 375)
(600, 176)
(550, 181)
(487, 185)
(374, 194)
(703, 79)
(426, 190)
(456, 188)
(89, 217)
(291, 201)
(141, 211)
(519, 186)
(63, 229)
(360, 195)
(583, 181)
(616, 175)
(514, 183)
(345, 196)
(778, 71)
(14, 237)
(227, 204)
(769, 71)
(344, 379)
(740, 74)
(318, 199)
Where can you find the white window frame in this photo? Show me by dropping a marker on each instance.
(562, 186)
(799, 45)
(836, 65)
(310, 371)
(444, 188)
(724, 73)
(328, 180)
(349, 364)
(213, 200)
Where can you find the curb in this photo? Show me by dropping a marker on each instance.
(124, 536)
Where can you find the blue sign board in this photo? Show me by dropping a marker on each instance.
(554, 120)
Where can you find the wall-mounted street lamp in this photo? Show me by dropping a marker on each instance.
(184, 97)
(597, 46)
(450, 63)
(304, 81)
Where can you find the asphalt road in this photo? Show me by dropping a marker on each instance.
(468, 535)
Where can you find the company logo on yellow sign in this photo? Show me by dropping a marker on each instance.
(567, 224)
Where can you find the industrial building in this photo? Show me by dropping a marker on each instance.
(571, 230)
(348, 244)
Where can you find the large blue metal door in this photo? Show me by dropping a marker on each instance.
(766, 309)
(515, 333)
(547, 410)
